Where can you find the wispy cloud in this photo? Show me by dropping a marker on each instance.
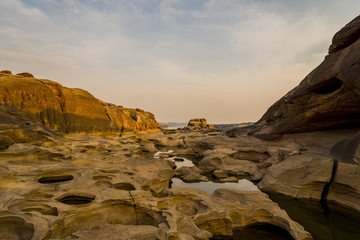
(226, 60)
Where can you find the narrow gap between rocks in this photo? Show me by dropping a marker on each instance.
(326, 188)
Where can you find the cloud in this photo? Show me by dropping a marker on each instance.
(227, 60)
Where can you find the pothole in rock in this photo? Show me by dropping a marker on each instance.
(15, 228)
(124, 186)
(55, 179)
(210, 187)
(76, 199)
(261, 231)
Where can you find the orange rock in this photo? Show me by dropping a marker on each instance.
(198, 124)
(70, 110)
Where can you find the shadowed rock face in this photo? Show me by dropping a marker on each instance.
(328, 98)
(17, 127)
(70, 110)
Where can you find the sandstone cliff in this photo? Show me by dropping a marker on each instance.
(328, 98)
(70, 110)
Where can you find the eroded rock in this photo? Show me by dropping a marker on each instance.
(328, 98)
(69, 110)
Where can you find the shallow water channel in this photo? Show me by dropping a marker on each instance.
(335, 224)
(208, 187)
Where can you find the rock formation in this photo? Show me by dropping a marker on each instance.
(325, 108)
(69, 110)
(198, 124)
(104, 188)
(328, 98)
(17, 127)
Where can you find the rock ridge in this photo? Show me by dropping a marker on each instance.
(70, 110)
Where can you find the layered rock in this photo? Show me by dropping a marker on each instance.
(196, 124)
(70, 110)
(328, 98)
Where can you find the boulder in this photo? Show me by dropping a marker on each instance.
(198, 124)
(25, 74)
(5, 72)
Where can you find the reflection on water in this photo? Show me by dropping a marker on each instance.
(179, 161)
(210, 187)
(337, 224)
(159, 153)
(261, 231)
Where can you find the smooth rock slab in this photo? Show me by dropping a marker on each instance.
(299, 176)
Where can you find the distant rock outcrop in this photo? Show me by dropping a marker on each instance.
(5, 72)
(328, 98)
(70, 110)
(198, 124)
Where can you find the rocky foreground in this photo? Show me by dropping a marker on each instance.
(81, 187)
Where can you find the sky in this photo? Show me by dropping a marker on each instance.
(224, 60)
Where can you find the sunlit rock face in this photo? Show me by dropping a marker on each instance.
(70, 110)
(198, 124)
(328, 98)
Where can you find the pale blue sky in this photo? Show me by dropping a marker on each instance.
(224, 60)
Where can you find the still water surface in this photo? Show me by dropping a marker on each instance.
(210, 187)
(336, 224)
